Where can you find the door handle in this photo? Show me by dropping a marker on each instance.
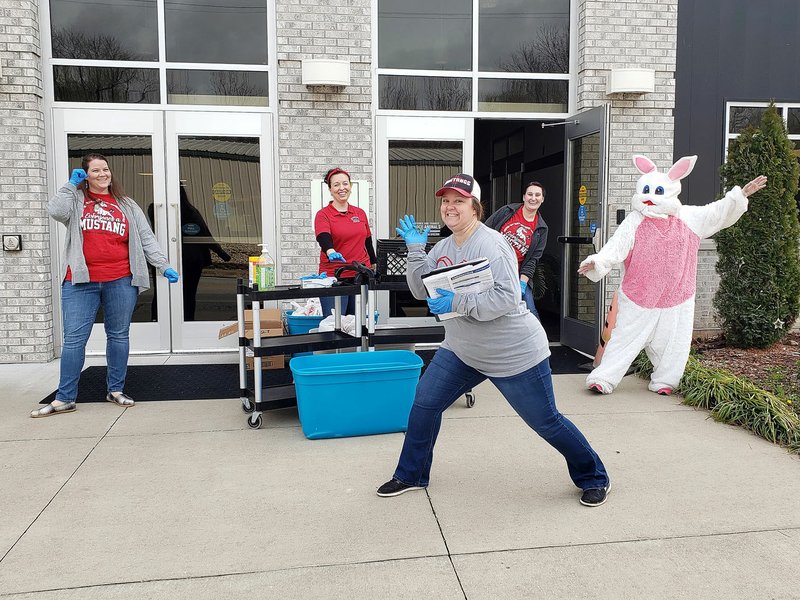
(569, 239)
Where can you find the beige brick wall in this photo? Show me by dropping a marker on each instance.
(636, 34)
(26, 304)
(322, 127)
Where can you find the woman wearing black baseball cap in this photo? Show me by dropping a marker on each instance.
(493, 337)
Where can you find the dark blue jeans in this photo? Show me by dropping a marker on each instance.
(528, 298)
(348, 305)
(530, 394)
(79, 304)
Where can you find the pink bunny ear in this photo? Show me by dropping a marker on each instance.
(681, 168)
(643, 164)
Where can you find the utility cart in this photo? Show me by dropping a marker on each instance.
(269, 397)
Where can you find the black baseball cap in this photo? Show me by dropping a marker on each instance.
(463, 184)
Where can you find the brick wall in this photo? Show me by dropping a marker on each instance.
(26, 304)
(629, 34)
(322, 127)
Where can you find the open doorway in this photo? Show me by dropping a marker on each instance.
(508, 154)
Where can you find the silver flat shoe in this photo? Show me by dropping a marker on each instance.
(49, 409)
(121, 399)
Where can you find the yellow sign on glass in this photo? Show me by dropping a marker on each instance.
(582, 195)
(221, 191)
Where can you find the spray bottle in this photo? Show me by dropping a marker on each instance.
(265, 270)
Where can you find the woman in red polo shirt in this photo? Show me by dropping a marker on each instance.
(343, 233)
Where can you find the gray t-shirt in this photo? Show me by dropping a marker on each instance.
(497, 335)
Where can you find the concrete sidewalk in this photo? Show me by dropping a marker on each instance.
(182, 500)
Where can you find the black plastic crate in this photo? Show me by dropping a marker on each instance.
(392, 258)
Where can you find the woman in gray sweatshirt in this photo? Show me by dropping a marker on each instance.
(108, 245)
(493, 337)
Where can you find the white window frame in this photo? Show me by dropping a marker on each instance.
(783, 110)
(474, 74)
(162, 66)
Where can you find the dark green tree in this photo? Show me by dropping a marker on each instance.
(759, 257)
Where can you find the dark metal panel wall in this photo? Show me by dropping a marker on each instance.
(729, 50)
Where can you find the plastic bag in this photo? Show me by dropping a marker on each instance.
(313, 308)
(348, 324)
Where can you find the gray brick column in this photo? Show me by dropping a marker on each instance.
(323, 127)
(618, 34)
(26, 303)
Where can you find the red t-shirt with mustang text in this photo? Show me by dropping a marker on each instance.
(105, 239)
(518, 231)
(349, 231)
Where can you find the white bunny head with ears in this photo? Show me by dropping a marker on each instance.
(657, 193)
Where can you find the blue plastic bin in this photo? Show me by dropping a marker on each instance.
(301, 324)
(358, 393)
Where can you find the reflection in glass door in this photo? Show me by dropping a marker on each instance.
(583, 221)
(216, 174)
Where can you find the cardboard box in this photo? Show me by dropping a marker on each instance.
(271, 320)
(267, 362)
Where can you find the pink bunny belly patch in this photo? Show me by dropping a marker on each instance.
(661, 269)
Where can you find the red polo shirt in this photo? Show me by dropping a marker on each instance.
(349, 231)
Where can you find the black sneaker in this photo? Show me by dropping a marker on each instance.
(395, 488)
(595, 496)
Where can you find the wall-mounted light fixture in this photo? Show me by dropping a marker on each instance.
(630, 81)
(323, 71)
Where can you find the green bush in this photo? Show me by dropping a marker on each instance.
(759, 258)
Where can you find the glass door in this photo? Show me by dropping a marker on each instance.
(204, 181)
(584, 222)
(133, 143)
(220, 208)
(415, 155)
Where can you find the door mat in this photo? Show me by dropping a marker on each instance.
(213, 381)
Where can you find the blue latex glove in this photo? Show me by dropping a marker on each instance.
(523, 285)
(336, 257)
(442, 304)
(320, 276)
(409, 231)
(77, 176)
(171, 275)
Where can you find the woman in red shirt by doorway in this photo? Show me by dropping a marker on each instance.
(525, 229)
(108, 245)
(343, 234)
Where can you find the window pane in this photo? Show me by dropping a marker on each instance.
(106, 84)
(211, 31)
(220, 221)
(401, 92)
(231, 88)
(794, 120)
(525, 36)
(745, 116)
(131, 160)
(104, 30)
(425, 34)
(416, 170)
(522, 95)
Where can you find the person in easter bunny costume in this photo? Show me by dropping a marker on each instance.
(658, 244)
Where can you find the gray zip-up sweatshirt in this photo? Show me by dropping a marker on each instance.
(66, 207)
(497, 335)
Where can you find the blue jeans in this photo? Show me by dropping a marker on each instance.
(528, 298)
(530, 394)
(79, 304)
(348, 305)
